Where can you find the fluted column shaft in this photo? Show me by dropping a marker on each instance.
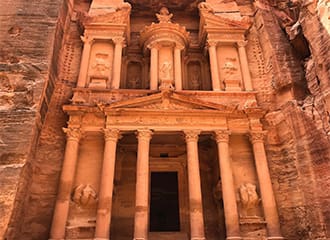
(65, 185)
(266, 189)
(154, 68)
(142, 186)
(244, 66)
(103, 218)
(194, 183)
(214, 66)
(177, 68)
(228, 187)
(119, 43)
(84, 64)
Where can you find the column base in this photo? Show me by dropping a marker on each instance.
(140, 239)
(275, 238)
(100, 238)
(234, 238)
(197, 238)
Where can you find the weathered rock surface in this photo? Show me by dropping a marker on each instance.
(40, 51)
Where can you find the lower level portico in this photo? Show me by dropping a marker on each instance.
(215, 155)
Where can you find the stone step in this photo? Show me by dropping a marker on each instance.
(168, 236)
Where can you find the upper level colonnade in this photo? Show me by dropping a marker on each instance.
(164, 45)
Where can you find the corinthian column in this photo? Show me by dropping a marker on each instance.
(142, 186)
(194, 183)
(265, 184)
(65, 185)
(244, 65)
(214, 65)
(84, 62)
(103, 219)
(153, 68)
(177, 68)
(119, 43)
(228, 187)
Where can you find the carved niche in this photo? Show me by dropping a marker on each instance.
(194, 71)
(134, 75)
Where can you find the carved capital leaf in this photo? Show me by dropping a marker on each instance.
(257, 136)
(191, 135)
(242, 43)
(73, 133)
(111, 134)
(144, 134)
(222, 136)
(211, 43)
(119, 40)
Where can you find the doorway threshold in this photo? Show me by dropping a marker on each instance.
(168, 236)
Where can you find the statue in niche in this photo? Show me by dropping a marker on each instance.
(84, 195)
(166, 71)
(231, 78)
(134, 75)
(164, 15)
(249, 199)
(101, 65)
(195, 73)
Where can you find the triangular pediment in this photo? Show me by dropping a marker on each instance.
(216, 21)
(169, 101)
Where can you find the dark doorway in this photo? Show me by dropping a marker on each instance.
(164, 202)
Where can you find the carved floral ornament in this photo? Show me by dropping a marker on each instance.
(221, 136)
(73, 133)
(191, 135)
(257, 136)
(112, 134)
(144, 134)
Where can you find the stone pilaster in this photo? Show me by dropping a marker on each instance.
(117, 61)
(177, 68)
(103, 219)
(266, 189)
(154, 68)
(214, 65)
(244, 65)
(142, 186)
(65, 185)
(194, 183)
(84, 64)
(228, 187)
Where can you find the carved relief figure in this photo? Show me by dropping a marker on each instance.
(84, 195)
(231, 78)
(166, 70)
(164, 15)
(249, 199)
(101, 65)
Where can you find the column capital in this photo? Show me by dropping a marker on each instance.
(144, 134)
(222, 135)
(111, 134)
(211, 43)
(242, 43)
(118, 40)
(74, 134)
(153, 45)
(179, 46)
(191, 135)
(257, 136)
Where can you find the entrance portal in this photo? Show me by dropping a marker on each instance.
(164, 202)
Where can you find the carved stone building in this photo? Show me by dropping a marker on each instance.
(165, 120)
